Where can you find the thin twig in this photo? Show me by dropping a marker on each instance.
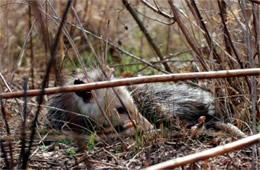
(31, 46)
(23, 134)
(224, 19)
(157, 10)
(156, 20)
(256, 21)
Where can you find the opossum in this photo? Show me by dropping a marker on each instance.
(89, 109)
(157, 103)
(169, 103)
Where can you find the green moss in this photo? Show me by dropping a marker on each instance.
(91, 141)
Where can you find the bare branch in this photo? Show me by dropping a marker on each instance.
(138, 80)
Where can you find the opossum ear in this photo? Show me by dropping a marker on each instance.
(85, 95)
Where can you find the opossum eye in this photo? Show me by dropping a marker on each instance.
(85, 95)
(121, 110)
(78, 81)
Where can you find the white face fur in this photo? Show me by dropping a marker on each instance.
(110, 104)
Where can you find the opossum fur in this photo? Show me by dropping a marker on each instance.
(158, 103)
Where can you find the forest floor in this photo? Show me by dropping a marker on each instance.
(115, 156)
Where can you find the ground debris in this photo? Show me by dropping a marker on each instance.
(114, 157)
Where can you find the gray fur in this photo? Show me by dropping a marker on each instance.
(163, 102)
(63, 113)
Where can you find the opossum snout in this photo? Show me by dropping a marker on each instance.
(131, 121)
(129, 127)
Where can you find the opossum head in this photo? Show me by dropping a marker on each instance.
(102, 105)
